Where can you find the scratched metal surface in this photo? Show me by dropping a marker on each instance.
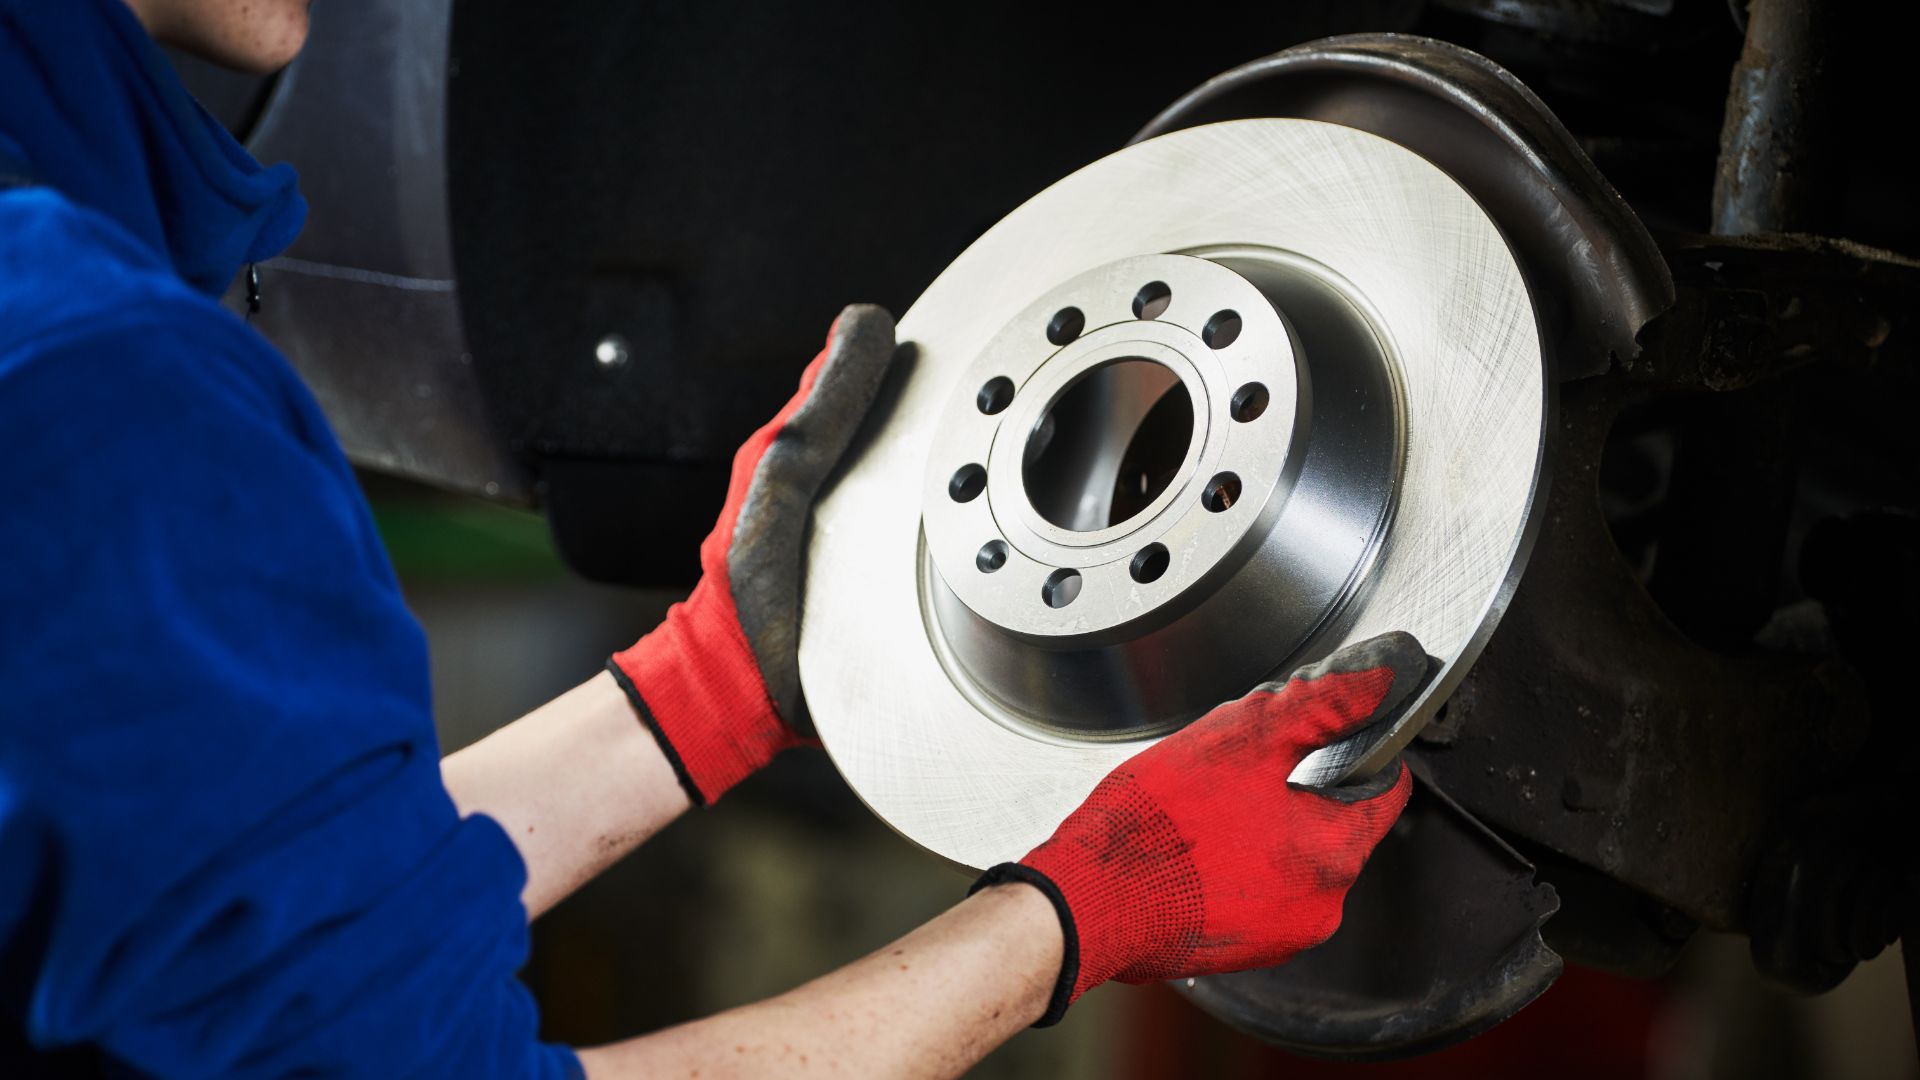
(1443, 287)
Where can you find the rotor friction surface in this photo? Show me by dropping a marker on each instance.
(1398, 238)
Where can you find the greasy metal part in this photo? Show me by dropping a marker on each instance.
(1658, 757)
(1830, 889)
(1597, 275)
(1455, 318)
(1605, 769)
(364, 303)
(1775, 170)
(1604, 924)
(1268, 512)
(1754, 308)
(1439, 940)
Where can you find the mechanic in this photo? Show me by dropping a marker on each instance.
(228, 844)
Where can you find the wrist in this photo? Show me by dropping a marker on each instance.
(694, 683)
(1022, 929)
(1019, 876)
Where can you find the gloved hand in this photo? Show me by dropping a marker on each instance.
(718, 681)
(1196, 856)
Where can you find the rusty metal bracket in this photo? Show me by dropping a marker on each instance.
(1595, 724)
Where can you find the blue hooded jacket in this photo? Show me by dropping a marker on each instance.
(224, 844)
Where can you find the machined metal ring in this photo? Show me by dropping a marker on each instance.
(1111, 497)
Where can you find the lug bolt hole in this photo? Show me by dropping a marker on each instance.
(1152, 300)
(967, 483)
(1249, 402)
(1150, 563)
(993, 556)
(995, 395)
(1066, 324)
(1222, 330)
(1221, 493)
(1061, 587)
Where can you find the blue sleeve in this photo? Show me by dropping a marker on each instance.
(224, 844)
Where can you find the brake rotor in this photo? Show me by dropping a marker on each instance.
(1203, 411)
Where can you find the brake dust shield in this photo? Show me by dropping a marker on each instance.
(1203, 411)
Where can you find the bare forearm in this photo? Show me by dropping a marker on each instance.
(929, 1005)
(577, 783)
(580, 782)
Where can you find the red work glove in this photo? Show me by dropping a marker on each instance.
(1197, 857)
(719, 681)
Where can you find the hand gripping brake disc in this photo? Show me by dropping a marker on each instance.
(1199, 413)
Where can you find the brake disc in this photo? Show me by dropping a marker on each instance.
(1203, 411)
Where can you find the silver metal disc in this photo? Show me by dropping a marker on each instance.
(1350, 215)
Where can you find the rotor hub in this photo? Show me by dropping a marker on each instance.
(1142, 460)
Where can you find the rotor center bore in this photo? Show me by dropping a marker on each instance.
(1143, 498)
(1109, 445)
